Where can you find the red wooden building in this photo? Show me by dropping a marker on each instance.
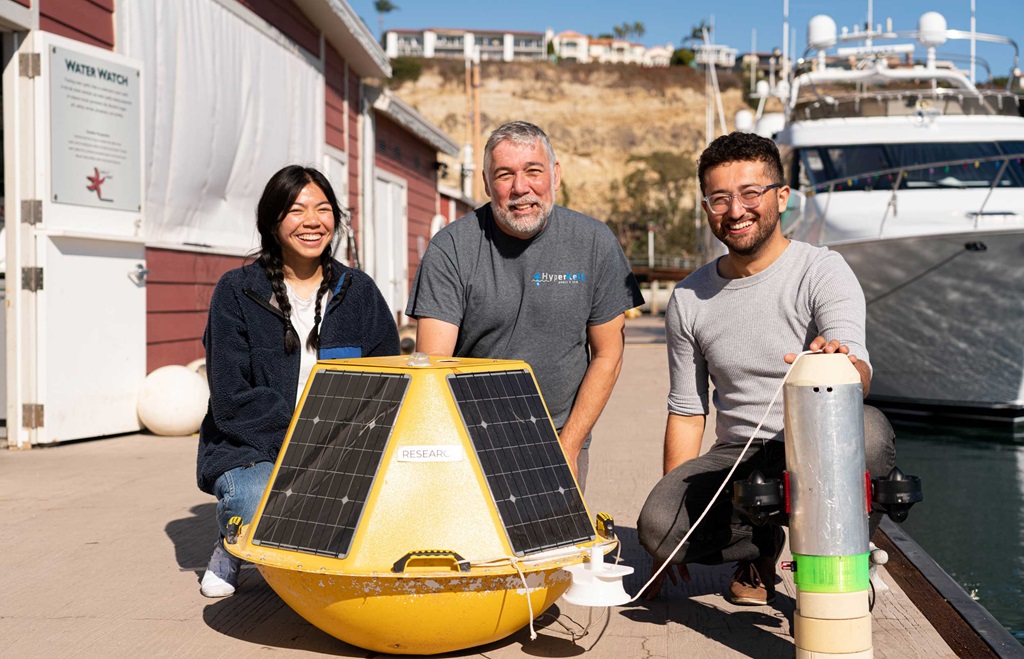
(209, 98)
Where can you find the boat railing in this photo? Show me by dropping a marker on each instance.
(897, 176)
(922, 103)
(872, 68)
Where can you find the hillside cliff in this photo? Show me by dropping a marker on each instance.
(597, 116)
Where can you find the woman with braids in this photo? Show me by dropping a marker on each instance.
(269, 322)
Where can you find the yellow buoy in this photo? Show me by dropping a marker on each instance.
(419, 505)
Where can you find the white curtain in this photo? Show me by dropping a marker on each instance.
(225, 106)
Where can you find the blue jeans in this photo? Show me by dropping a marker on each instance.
(239, 492)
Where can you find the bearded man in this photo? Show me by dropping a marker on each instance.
(739, 321)
(522, 278)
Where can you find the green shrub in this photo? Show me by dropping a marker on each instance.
(405, 69)
(681, 57)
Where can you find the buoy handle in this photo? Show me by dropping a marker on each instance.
(431, 557)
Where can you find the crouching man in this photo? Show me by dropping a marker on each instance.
(739, 321)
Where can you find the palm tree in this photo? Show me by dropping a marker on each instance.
(383, 7)
(697, 32)
(628, 30)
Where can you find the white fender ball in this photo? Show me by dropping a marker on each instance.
(173, 401)
(198, 365)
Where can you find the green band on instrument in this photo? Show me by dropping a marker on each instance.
(831, 574)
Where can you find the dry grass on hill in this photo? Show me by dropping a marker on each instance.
(597, 115)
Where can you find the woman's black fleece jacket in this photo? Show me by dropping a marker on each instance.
(253, 381)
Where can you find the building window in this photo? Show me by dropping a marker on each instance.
(410, 45)
(446, 41)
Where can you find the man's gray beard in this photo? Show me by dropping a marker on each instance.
(522, 227)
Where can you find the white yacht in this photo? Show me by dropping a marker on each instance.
(915, 175)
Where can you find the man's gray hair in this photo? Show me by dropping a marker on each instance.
(517, 132)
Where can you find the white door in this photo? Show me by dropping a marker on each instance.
(390, 239)
(75, 260)
(92, 319)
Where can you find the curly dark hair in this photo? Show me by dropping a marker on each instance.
(278, 196)
(737, 147)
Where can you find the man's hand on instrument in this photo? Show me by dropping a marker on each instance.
(655, 588)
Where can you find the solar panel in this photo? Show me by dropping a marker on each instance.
(530, 481)
(331, 461)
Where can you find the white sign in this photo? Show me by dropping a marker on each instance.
(431, 453)
(95, 139)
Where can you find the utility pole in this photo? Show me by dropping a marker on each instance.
(754, 60)
(468, 157)
(478, 192)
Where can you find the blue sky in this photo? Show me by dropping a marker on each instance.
(669, 20)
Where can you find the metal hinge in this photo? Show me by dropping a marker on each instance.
(32, 279)
(31, 211)
(28, 65)
(32, 415)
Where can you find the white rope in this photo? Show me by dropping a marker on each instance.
(725, 481)
(533, 560)
(566, 552)
(529, 602)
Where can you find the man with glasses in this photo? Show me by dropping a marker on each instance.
(739, 321)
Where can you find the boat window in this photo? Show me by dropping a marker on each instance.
(813, 167)
(924, 165)
(856, 164)
(948, 170)
(1016, 152)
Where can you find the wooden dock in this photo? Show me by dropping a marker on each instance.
(646, 274)
(104, 541)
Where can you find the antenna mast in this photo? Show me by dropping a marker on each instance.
(973, 42)
(871, 27)
(785, 40)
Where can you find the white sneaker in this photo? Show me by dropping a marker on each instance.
(221, 575)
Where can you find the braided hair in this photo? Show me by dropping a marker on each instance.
(278, 196)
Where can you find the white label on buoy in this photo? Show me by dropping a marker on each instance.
(431, 453)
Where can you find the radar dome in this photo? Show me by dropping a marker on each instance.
(770, 123)
(931, 29)
(821, 32)
(744, 121)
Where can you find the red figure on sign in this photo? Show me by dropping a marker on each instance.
(96, 181)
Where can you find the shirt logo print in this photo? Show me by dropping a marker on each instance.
(558, 278)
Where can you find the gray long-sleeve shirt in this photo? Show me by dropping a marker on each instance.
(736, 332)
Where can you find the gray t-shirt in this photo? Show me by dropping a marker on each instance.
(526, 299)
(736, 331)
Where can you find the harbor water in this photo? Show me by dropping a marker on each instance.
(972, 518)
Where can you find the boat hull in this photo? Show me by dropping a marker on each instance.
(945, 318)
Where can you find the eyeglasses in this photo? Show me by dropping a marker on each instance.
(749, 198)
